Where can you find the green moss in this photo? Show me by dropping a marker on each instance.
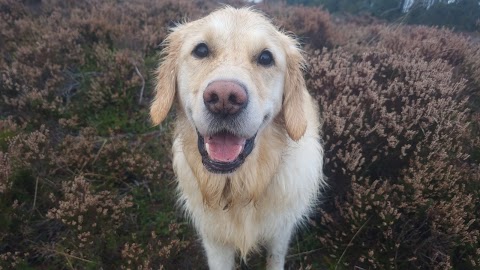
(5, 136)
(119, 120)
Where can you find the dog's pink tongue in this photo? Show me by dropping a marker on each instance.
(224, 147)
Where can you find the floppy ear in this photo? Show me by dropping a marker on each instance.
(166, 79)
(293, 94)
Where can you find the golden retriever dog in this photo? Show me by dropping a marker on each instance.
(246, 150)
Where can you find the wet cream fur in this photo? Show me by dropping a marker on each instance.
(269, 195)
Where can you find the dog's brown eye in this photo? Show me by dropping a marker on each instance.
(265, 58)
(201, 50)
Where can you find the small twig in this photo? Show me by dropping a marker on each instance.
(67, 256)
(303, 253)
(100, 150)
(96, 156)
(140, 99)
(351, 241)
(73, 256)
(69, 262)
(143, 184)
(95, 175)
(35, 195)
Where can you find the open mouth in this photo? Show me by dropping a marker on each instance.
(224, 152)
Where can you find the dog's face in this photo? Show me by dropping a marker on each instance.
(233, 73)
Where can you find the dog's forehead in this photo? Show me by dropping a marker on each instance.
(243, 19)
(244, 24)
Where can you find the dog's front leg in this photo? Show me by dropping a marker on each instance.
(220, 257)
(277, 248)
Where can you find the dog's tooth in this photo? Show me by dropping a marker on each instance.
(207, 147)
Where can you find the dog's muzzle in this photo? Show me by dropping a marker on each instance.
(224, 152)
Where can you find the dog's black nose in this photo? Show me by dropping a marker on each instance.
(225, 97)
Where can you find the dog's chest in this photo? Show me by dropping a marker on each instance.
(245, 226)
(288, 196)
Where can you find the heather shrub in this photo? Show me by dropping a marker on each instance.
(84, 178)
(153, 253)
(32, 78)
(398, 138)
(87, 219)
(431, 43)
(312, 26)
(4, 173)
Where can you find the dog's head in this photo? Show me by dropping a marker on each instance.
(233, 73)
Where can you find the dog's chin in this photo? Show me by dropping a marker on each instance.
(224, 152)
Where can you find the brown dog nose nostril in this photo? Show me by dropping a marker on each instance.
(213, 98)
(233, 99)
(225, 97)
